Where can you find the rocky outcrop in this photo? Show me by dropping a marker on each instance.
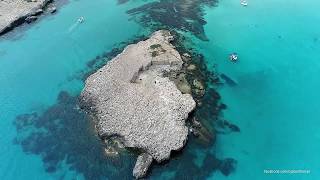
(131, 99)
(141, 167)
(15, 12)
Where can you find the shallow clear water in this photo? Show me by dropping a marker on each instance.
(44, 60)
(275, 103)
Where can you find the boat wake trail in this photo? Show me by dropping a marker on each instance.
(73, 27)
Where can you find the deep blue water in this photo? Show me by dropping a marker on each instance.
(275, 102)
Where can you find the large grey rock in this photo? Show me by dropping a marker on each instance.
(14, 12)
(131, 99)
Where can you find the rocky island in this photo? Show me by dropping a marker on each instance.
(133, 101)
(15, 12)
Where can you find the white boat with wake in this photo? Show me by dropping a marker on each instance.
(81, 19)
(244, 3)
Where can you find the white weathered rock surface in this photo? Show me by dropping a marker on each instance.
(131, 98)
(13, 12)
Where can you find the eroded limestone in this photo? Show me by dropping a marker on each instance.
(132, 99)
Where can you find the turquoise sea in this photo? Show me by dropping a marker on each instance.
(275, 102)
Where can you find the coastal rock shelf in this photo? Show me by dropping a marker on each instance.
(15, 12)
(132, 100)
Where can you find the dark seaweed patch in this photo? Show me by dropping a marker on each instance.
(63, 133)
(185, 15)
(185, 166)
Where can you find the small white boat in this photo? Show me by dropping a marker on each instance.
(244, 3)
(233, 57)
(81, 19)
